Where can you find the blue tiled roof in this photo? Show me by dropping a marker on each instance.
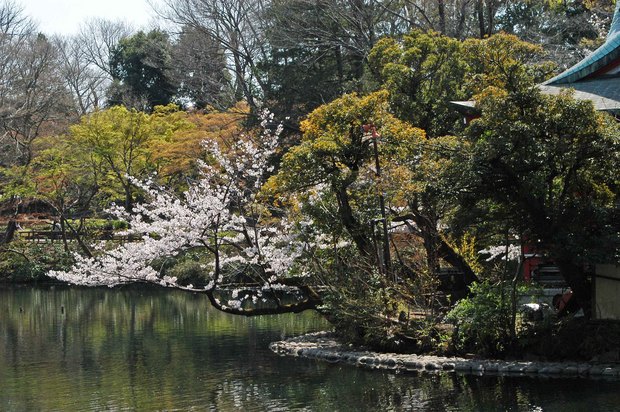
(615, 23)
(603, 91)
(601, 57)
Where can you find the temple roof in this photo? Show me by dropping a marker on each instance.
(615, 23)
(603, 92)
(595, 78)
(600, 62)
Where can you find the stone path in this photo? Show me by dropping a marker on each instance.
(324, 346)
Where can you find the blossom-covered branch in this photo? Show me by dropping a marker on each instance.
(219, 214)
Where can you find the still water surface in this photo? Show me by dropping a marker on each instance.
(73, 349)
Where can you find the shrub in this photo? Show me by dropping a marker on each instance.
(483, 320)
(28, 262)
(188, 271)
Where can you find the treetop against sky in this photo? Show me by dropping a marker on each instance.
(65, 16)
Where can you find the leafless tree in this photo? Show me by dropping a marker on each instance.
(454, 18)
(13, 22)
(33, 97)
(15, 29)
(237, 26)
(97, 37)
(346, 30)
(353, 25)
(86, 82)
(84, 61)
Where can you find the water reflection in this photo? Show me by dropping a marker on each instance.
(153, 349)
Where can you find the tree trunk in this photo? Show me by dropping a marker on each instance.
(480, 15)
(309, 299)
(576, 279)
(449, 255)
(63, 233)
(77, 233)
(490, 16)
(9, 233)
(339, 67)
(128, 197)
(430, 246)
(358, 234)
(441, 11)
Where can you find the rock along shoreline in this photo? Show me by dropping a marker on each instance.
(324, 346)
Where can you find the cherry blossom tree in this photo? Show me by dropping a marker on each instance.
(220, 214)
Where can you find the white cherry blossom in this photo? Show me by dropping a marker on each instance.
(218, 213)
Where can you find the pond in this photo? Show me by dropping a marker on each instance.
(75, 349)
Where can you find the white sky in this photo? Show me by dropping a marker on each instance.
(65, 16)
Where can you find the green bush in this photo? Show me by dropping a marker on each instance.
(188, 272)
(21, 270)
(483, 320)
(104, 224)
(30, 261)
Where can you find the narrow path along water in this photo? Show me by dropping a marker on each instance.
(326, 347)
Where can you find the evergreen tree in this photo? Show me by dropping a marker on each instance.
(141, 68)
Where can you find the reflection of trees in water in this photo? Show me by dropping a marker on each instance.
(147, 349)
(133, 342)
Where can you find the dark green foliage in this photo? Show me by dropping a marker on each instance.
(549, 163)
(423, 72)
(29, 262)
(18, 270)
(572, 339)
(483, 320)
(141, 67)
(302, 80)
(188, 271)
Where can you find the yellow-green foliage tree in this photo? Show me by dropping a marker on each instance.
(66, 177)
(335, 161)
(332, 169)
(333, 172)
(127, 143)
(503, 61)
(80, 173)
(90, 166)
(423, 72)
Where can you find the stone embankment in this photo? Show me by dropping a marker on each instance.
(324, 346)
